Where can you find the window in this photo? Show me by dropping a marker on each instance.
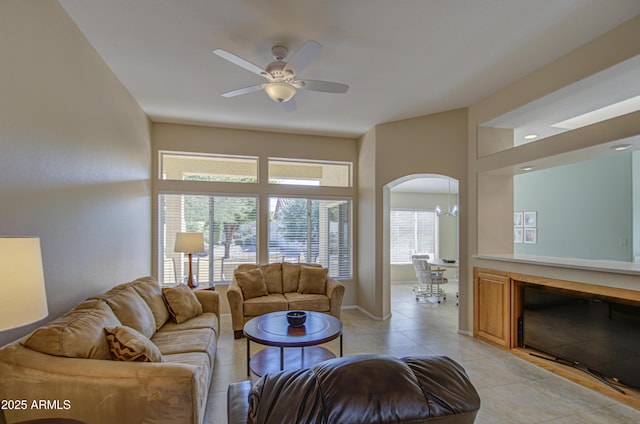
(412, 232)
(208, 167)
(306, 172)
(311, 230)
(229, 227)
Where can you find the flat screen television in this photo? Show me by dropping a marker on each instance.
(596, 334)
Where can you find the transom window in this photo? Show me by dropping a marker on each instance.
(307, 172)
(208, 167)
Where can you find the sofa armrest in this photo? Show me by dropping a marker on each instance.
(236, 300)
(100, 391)
(335, 292)
(210, 301)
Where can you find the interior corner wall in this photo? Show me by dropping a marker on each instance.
(75, 162)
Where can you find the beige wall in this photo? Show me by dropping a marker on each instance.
(432, 144)
(189, 138)
(368, 249)
(75, 157)
(490, 177)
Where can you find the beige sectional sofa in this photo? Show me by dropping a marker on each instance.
(259, 289)
(136, 354)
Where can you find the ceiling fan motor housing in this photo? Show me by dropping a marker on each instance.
(278, 72)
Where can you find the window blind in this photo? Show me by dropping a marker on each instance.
(412, 232)
(229, 227)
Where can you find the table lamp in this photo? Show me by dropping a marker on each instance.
(190, 243)
(23, 298)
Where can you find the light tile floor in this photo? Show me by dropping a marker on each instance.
(512, 391)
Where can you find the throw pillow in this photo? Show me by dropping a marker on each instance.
(313, 280)
(273, 277)
(127, 344)
(252, 283)
(181, 302)
(290, 277)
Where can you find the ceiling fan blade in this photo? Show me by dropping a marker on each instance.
(290, 105)
(244, 90)
(304, 56)
(324, 86)
(237, 60)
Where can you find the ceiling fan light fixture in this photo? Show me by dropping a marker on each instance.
(280, 91)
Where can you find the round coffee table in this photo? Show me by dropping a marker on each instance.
(273, 330)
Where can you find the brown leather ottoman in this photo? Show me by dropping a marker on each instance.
(359, 389)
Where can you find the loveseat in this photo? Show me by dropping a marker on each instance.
(357, 390)
(135, 354)
(259, 289)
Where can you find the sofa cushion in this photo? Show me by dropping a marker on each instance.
(181, 302)
(252, 283)
(131, 310)
(150, 291)
(78, 334)
(205, 320)
(313, 280)
(308, 302)
(195, 340)
(264, 304)
(273, 277)
(127, 344)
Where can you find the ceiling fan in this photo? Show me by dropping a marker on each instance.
(281, 83)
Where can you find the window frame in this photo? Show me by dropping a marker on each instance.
(333, 202)
(202, 155)
(161, 234)
(294, 161)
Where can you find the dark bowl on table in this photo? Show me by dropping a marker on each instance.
(296, 318)
(449, 261)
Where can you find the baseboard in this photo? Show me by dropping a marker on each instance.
(466, 333)
(349, 307)
(373, 317)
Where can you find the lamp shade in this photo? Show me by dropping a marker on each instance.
(189, 242)
(280, 91)
(23, 298)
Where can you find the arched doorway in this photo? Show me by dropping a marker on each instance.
(420, 213)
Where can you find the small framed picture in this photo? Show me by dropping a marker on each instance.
(530, 219)
(530, 236)
(517, 234)
(517, 219)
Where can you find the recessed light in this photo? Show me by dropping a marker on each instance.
(528, 168)
(531, 136)
(620, 147)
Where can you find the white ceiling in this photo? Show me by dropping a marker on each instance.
(400, 58)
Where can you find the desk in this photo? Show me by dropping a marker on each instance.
(440, 264)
